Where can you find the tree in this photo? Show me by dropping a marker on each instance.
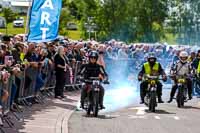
(65, 17)
(8, 14)
(127, 20)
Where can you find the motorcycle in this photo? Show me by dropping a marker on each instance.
(91, 102)
(182, 91)
(150, 98)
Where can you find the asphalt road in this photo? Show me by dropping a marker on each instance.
(135, 118)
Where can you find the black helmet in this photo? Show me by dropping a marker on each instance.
(94, 54)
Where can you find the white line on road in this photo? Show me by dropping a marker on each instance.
(176, 118)
(136, 117)
(140, 110)
(157, 117)
(109, 116)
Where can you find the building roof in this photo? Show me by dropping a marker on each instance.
(20, 3)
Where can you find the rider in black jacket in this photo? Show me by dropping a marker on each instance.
(92, 69)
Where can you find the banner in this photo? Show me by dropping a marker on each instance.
(44, 20)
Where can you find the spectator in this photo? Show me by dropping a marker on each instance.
(61, 65)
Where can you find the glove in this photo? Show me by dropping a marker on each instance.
(139, 78)
(101, 77)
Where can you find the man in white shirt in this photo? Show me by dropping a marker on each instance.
(181, 68)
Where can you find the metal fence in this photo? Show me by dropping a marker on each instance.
(29, 85)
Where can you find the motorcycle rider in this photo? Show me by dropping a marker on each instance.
(152, 68)
(196, 67)
(92, 69)
(181, 68)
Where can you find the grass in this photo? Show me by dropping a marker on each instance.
(76, 35)
(13, 31)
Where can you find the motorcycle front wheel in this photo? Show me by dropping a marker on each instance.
(152, 102)
(180, 97)
(96, 104)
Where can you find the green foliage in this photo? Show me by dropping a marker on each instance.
(131, 20)
(65, 17)
(128, 20)
(8, 14)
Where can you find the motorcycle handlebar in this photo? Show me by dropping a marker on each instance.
(91, 79)
(153, 77)
(181, 76)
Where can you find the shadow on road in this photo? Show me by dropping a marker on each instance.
(191, 107)
(160, 112)
(68, 100)
(104, 117)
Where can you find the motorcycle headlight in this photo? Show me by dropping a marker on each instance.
(181, 80)
(153, 82)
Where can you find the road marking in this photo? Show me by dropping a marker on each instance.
(140, 110)
(157, 117)
(176, 118)
(136, 117)
(109, 116)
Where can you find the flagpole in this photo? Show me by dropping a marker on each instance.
(28, 17)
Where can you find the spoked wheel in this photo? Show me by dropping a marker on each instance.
(90, 103)
(96, 104)
(180, 98)
(152, 102)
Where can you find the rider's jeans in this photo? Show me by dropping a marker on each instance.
(144, 86)
(175, 86)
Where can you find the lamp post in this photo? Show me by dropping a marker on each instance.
(28, 17)
(90, 26)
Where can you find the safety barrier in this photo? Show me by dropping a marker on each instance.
(30, 85)
(71, 81)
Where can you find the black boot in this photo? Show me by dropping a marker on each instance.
(190, 97)
(142, 101)
(160, 100)
(82, 105)
(102, 107)
(170, 100)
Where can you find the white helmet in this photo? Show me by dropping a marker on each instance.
(183, 56)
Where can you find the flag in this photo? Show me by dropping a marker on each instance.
(44, 20)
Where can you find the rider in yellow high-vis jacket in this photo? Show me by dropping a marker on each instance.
(152, 68)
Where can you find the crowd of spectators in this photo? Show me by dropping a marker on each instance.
(17, 56)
